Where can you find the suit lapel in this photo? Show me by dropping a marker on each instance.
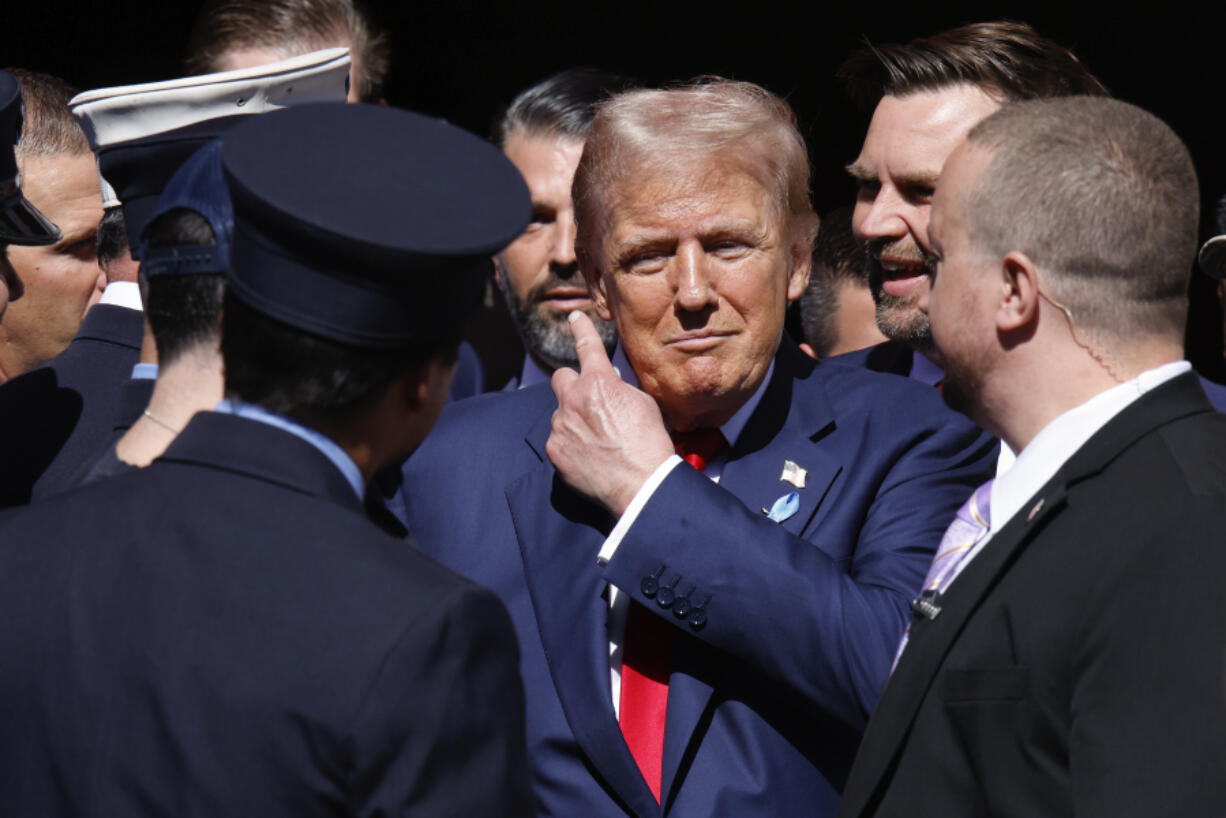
(776, 433)
(559, 536)
(779, 432)
(931, 640)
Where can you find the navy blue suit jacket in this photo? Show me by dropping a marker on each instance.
(66, 408)
(224, 633)
(767, 696)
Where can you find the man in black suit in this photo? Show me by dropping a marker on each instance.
(1068, 653)
(225, 632)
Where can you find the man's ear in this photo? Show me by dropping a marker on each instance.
(498, 268)
(1019, 292)
(595, 282)
(802, 265)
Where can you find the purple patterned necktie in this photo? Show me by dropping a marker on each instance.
(967, 530)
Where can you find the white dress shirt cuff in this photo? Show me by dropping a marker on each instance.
(636, 506)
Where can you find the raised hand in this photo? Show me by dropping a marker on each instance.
(607, 437)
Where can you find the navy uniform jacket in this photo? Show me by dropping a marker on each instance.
(223, 633)
(772, 685)
(1078, 663)
(65, 409)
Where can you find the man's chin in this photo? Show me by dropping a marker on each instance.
(900, 320)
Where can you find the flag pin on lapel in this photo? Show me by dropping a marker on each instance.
(794, 474)
(784, 507)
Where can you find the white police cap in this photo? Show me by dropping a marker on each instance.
(128, 112)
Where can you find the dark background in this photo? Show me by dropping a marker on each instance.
(462, 61)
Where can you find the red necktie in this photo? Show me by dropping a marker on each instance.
(699, 447)
(647, 650)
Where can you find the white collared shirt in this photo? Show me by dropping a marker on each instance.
(1057, 442)
(122, 294)
(619, 603)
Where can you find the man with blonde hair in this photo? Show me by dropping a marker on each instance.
(702, 637)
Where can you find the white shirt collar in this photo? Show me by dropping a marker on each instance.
(122, 294)
(1063, 436)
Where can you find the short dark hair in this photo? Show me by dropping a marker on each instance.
(836, 259)
(1103, 197)
(184, 311)
(294, 26)
(48, 126)
(310, 378)
(1009, 61)
(112, 236)
(560, 105)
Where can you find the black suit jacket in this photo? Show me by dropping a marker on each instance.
(65, 409)
(1078, 664)
(224, 633)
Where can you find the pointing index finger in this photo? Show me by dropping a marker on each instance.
(588, 346)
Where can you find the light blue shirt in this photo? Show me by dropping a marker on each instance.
(323, 443)
(145, 372)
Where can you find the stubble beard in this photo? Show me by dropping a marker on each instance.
(545, 332)
(898, 316)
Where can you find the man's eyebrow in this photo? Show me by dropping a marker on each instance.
(916, 179)
(861, 173)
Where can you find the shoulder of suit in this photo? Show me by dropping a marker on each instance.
(495, 413)
(853, 388)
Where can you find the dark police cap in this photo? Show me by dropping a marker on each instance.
(365, 224)
(139, 169)
(198, 186)
(20, 221)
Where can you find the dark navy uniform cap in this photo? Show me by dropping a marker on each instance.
(20, 221)
(365, 224)
(198, 186)
(139, 169)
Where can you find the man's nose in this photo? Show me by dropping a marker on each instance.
(563, 250)
(883, 216)
(695, 289)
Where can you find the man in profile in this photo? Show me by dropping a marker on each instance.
(1067, 656)
(20, 222)
(925, 96)
(225, 632)
(62, 280)
(694, 648)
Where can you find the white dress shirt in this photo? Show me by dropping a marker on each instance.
(1057, 442)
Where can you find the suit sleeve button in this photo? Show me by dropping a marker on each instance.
(697, 618)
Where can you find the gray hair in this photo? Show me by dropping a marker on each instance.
(708, 118)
